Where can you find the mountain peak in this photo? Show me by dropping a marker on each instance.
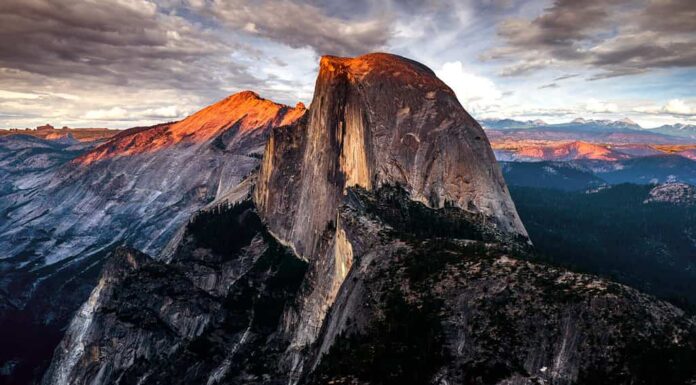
(627, 121)
(246, 111)
(246, 94)
(375, 121)
(388, 66)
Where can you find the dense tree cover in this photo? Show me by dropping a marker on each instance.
(557, 175)
(612, 232)
(226, 228)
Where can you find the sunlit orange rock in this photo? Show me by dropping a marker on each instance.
(246, 112)
(550, 150)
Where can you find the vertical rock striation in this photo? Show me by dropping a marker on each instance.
(375, 120)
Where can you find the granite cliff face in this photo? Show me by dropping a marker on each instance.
(379, 245)
(379, 119)
(375, 120)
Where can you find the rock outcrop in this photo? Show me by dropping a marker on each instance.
(430, 303)
(379, 119)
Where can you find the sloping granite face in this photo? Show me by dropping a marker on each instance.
(140, 187)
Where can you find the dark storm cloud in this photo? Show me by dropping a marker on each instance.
(620, 37)
(117, 42)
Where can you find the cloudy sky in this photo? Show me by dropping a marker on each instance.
(122, 63)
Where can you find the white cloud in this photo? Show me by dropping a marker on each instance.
(17, 95)
(114, 113)
(678, 107)
(121, 114)
(598, 107)
(675, 107)
(250, 27)
(162, 112)
(476, 93)
(63, 95)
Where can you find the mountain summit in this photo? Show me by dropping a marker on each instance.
(376, 120)
(245, 112)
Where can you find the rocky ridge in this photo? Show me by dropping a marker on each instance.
(675, 193)
(246, 114)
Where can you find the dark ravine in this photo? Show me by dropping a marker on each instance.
(378, 246)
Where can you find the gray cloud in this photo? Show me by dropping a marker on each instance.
(620, 37)
(676, 16)
(347, 28)
(117, 42)
(133, 62)
(564, 77)
(108, 52)
(326, 27)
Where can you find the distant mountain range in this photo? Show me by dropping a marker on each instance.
(679, 129)
(604, 131)
(561, 150)
(49, 132)
(587, 153)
